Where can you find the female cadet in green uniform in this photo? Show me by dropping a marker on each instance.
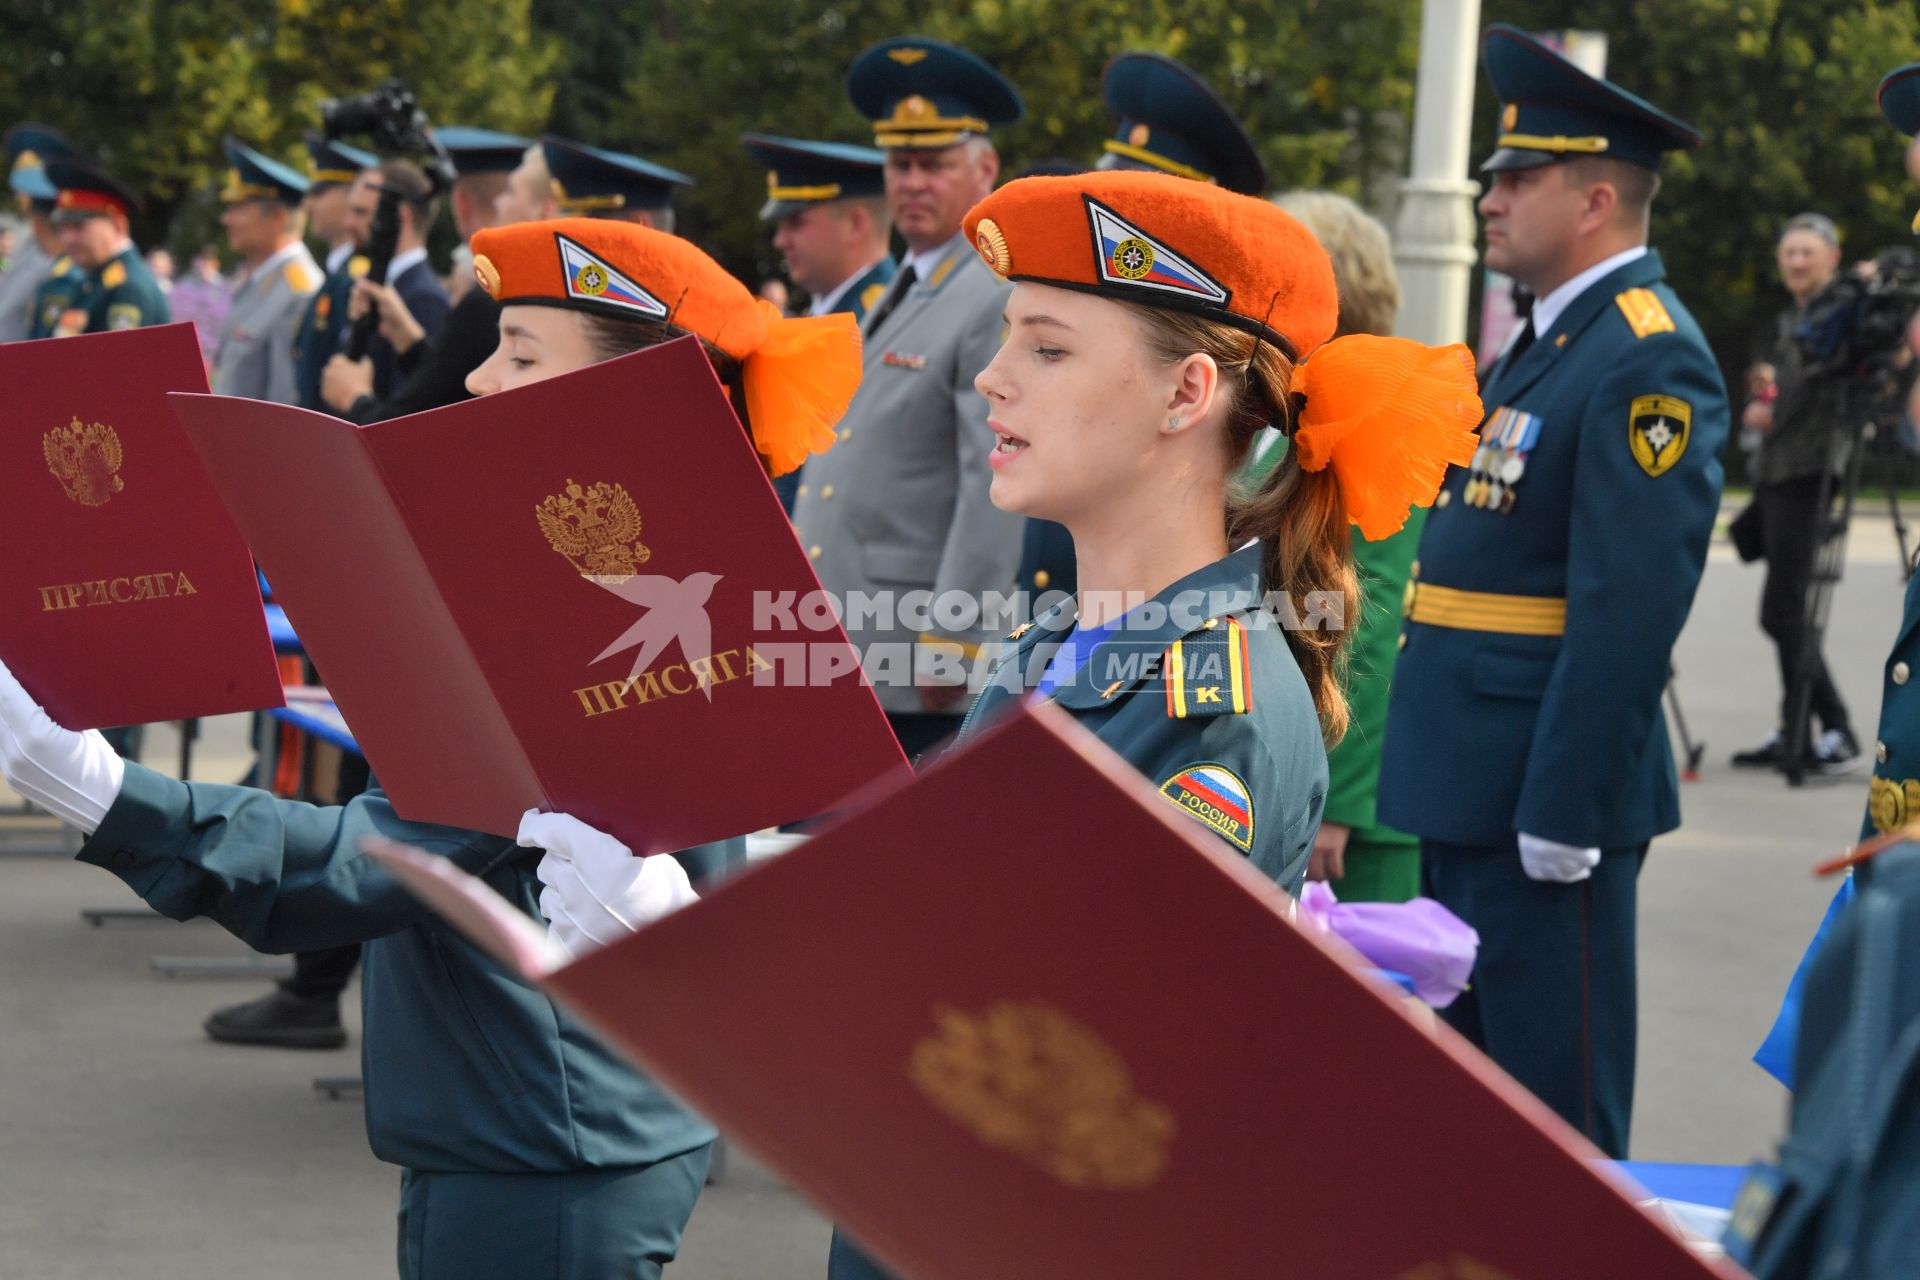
(528, 1149)
(1157, 325)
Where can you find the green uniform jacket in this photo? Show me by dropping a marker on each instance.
(467, 1069)
(64, 290)
(317, 336)
(1257, 777)
(122, 294)
(1353, 765)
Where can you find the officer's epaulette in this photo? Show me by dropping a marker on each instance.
(945, 269)
(61, 265)
(1207, 672)
(114, 276)
(871, 295)
(1645, 313)
(299, 279)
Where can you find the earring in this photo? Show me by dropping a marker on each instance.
(1173, 423)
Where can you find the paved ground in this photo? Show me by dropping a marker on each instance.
(131, 1145)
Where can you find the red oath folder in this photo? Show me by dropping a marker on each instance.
(547, 598)
(129, 596)
(1024, 1019)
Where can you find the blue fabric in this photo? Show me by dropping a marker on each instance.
(1071, 658)
(280, 631)
(1714, 1185)
(1775, 1054)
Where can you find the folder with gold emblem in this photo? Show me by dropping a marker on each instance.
(1026, 1019)
(129, 595)
(580, 595)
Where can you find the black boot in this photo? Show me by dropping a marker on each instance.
(281, 1019)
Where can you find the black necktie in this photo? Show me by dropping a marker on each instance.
(903, 283)
(1521, 344)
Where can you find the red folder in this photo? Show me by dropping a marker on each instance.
(130, 597)
(557, 597)
(1024, 1019)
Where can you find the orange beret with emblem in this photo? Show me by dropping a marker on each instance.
(1388, 414)
(797, 375)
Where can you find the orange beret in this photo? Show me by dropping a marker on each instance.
(1387, 414)
(1164, 241)
(797, 375)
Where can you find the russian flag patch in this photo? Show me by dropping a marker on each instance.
(1216, 796)
(591, 279)
(1126, 255)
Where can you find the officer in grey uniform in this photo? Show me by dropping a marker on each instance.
(263, 221)
(899, 505)
(25, 147)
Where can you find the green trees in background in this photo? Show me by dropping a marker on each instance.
(1783, 90)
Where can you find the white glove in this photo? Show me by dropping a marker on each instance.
(74, 776)
(1553, 861)
(596, 891)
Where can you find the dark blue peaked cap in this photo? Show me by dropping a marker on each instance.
(1900, 98)
(28, 146)
(336, 163)
(926, 94)
(1172, 120)
(1553, 111)
(587, 180)
(482, 150)
(252, 176)
(801, 174)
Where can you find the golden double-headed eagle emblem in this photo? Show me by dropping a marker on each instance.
(597, 528)
(85, 459)
(1030, 1080)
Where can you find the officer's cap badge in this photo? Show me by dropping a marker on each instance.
(992, 243)
(486, 274)
(85, 458)
(591, 279)
(907, 57)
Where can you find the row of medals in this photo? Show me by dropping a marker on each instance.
(1500, 460)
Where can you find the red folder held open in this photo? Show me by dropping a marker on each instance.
(129, 596)
(1025, 1019)
(565, 596)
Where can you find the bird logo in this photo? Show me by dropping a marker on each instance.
(675, 610)
(85, 458)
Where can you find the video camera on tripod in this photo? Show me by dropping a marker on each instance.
(392, 117)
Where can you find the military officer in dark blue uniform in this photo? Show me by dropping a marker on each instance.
(92, 211)
(828, 204)
(590, 182)
(1166, 120)
(1525, 744)
(1893, 799)
(330, 219)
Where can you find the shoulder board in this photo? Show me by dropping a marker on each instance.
(299, 277)
(871, 295)
(1207, 672)
(61, 265)
(115, 275)
(358, 265)
(1645, 313)
(945, 269)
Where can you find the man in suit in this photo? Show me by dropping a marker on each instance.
(410, 274)
(262, 217)
(434, 372)
(1525, 743)
(330, 218)
(899, 506)
(828, 204)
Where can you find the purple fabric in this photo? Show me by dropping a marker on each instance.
(205, 303)
(1421, 939)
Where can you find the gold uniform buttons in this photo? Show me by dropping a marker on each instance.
(801, 492)
(1403, 639)
(1446, 497)
(813, 552)
(1880, 752)
(1041, 578)
(1901, 672)
(826, 494)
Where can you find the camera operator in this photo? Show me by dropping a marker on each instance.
(1799, 410)
(344, 381)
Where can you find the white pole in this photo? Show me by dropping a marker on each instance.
(1434, 233)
